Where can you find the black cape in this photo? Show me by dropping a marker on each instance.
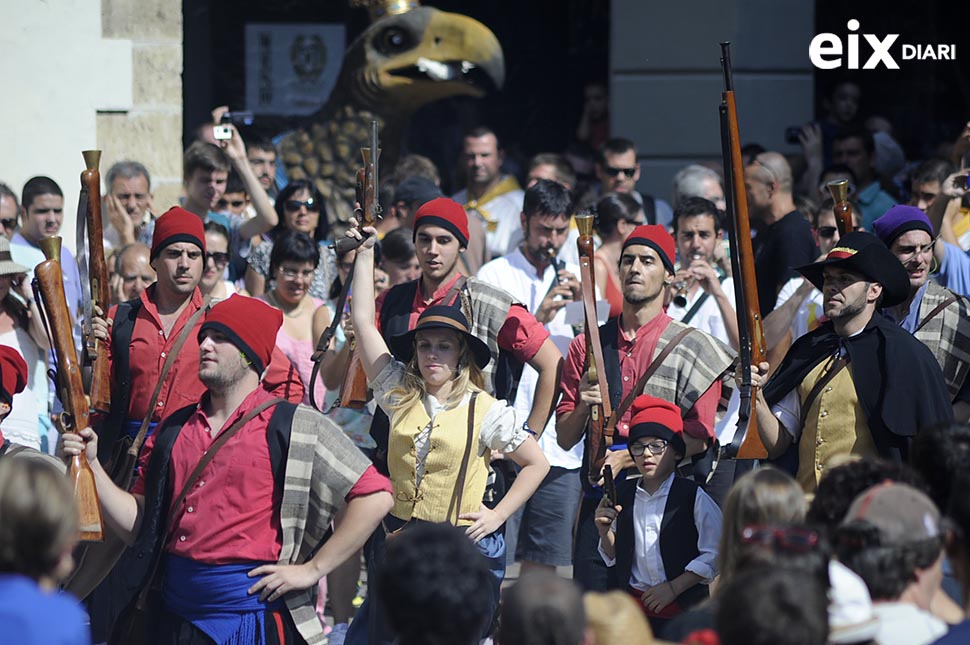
(897, 379)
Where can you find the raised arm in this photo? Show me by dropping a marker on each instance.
(372, 349)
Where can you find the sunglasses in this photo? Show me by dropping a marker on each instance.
(294, 204)
(789, 538)
(236, 203)
(218, 258)
(613, 172)
(655, 447)
(9, 223)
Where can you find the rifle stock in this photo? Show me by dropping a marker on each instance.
(97, 351)
(49, 286)
(842, 209)
(751, 341)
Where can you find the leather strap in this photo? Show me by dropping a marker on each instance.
(936, 310)
(173, 353)
(324, 343)
(654, 365)
(463, 469)
(819, 385)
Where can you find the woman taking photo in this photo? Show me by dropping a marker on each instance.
(443, 426)
(300, 208)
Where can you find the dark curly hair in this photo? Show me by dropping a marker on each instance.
(938, 454)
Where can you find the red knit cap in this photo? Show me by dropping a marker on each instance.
(656, 237)
(177, 225)
(446, 213)
(13, 373)
(653, 417)
(249, 324)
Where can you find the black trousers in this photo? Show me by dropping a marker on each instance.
(167, 628)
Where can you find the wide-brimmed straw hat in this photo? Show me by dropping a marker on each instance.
(7, 265)
(440, 317)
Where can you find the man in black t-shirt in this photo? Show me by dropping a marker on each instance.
(784, 236)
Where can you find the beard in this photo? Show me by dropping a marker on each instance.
(848, 310)
(221, 379)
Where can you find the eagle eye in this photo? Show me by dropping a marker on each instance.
(392, 40)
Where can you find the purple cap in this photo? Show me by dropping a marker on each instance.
(898, 220)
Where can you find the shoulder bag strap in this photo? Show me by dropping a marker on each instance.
(936, 310)
(654, 365)
(323, 344)
(173, 353)
(463, 469)
(175, 511)
(698, 304)
(819, 385)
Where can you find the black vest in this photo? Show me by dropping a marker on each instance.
(114, 427)
(678, 539)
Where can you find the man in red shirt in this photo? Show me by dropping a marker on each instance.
(237, 554)
(690, 376)
(144, 331)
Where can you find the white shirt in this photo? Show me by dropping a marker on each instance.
(515, 274)
(504, 210)
(903, 623)
(808, 313)
(709, 319)
(648, 511)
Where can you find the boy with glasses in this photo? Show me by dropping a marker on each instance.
(660, 540)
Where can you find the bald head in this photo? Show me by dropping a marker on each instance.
(775, 168)
(133, 266)
(769, 187)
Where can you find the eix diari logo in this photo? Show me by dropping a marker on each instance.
(826, 50)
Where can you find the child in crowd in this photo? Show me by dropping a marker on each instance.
(660, 539)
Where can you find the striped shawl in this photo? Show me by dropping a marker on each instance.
(947, 335)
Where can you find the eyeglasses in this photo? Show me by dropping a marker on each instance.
(294, 204)
(827, 232)
(291, 273)
(236, 203)
(9, 223)
(613, 172)
(218, 258)
(655, 447)
(788, 538)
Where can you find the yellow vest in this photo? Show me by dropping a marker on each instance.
(834, 425)
(435, 498)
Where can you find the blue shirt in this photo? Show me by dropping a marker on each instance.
(873, 202)
(959, 634)
(30, 616)
(955, 270)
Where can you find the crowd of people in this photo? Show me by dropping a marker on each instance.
(424, 405)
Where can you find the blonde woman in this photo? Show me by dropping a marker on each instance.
(443, 426)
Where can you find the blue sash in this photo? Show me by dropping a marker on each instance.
(132, 428)
(214, 599)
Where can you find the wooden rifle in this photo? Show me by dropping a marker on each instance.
(94, 279)
(353, 392)
(842, 209)
(600, 431)
(751, 339)
(49, 292)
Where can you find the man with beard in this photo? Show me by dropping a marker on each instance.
(261, 480)
(540, 534)
(682, 365)
(937, 316)
(893, 385)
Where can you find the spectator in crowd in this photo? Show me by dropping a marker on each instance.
(618, 171)
(213, 283)
(543, 609)
(127, 205)
(299, 207)
(261, 155)
(410, 195)
(696, 180)
(540, 535)
(617, 214)
(548, 165)
(834, 173)
(926, 182)
(936, 316)
(435, 585)
(38, 532)
(660, 538)
(495, 199)
(413, 165)
(9, 211)
(594, 123)
(235, 200)
(892, 538)
(855, 148)
(958, 548)
(133, 272)
(784, 238)
(400, 260)
(293, 263)
(893, 388)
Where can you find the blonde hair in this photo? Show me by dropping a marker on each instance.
(469, 378)
(615, 617)
(764, 496)
(38, 517)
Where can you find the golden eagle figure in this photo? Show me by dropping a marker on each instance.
(409, 56)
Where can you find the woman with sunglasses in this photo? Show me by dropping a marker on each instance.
(216, 260)
(293, 263)
(300, 208)
(443, 425)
